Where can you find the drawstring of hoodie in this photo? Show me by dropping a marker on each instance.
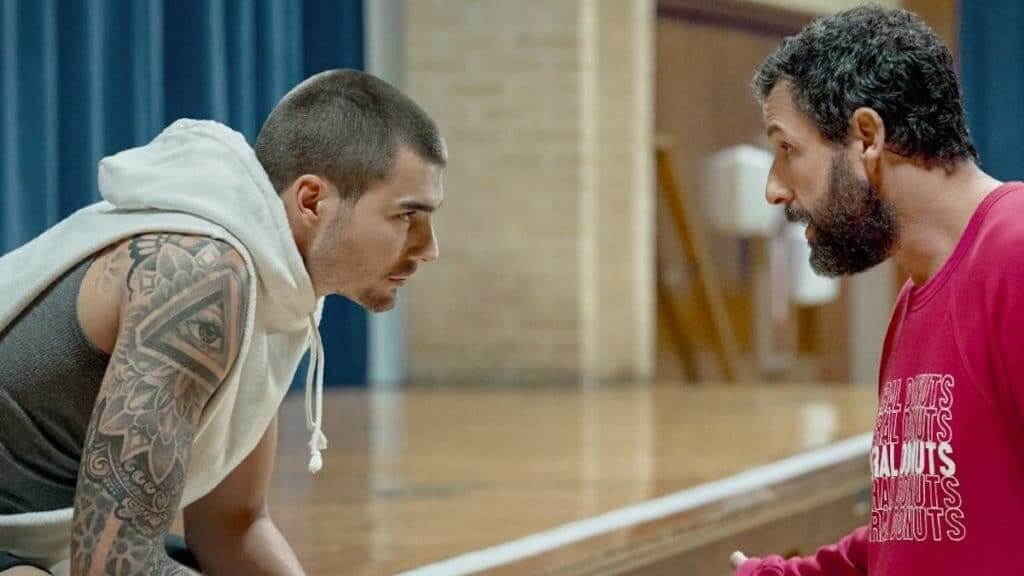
(315, 399)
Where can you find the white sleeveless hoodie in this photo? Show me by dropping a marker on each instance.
(196, 177)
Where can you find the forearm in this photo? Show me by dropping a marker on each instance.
(126, 499)
(104, 544)
(255, 548)
(849, 557)
(127, 558)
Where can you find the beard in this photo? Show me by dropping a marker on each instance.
(854, 229)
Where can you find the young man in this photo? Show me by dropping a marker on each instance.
(866, 117)
(147, 341)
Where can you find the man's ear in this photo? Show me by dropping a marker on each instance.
(310, 191)
(868, 130)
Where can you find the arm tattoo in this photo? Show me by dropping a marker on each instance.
(114, 267)
(181, 328)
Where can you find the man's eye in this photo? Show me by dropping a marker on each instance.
(406, 216)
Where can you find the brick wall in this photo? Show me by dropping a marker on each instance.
(545, 269)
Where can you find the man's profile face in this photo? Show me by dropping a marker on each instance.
(850, 228)
(373, 246)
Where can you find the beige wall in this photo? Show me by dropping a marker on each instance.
(545, 268)
(618, 177)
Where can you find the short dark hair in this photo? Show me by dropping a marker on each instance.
(346, 126)
(884, 59)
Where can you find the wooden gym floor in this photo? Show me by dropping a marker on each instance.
(623, 479)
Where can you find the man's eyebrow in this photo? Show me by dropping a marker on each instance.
(416, 205)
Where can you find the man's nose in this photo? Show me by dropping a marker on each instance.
(428, 251)
(775, 192)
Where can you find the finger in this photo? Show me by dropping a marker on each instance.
(737, 558)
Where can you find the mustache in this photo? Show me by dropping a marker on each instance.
(795, 215)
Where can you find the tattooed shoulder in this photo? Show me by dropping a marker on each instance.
(186, 302)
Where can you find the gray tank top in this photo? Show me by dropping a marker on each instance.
(50, 375)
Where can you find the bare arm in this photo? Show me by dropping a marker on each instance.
(230, 530)
(181, 322)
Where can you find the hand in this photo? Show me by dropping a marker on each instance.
(737, 559)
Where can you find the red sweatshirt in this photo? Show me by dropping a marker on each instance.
(947, 458)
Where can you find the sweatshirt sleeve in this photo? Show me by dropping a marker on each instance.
(849, 557)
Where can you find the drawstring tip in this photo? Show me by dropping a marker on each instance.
(317, 442)
(316, 462)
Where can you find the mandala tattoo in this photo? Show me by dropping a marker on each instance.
(181, 327)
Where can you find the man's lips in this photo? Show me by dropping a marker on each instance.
(402, 276)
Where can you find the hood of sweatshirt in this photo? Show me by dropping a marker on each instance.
(208, 170)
